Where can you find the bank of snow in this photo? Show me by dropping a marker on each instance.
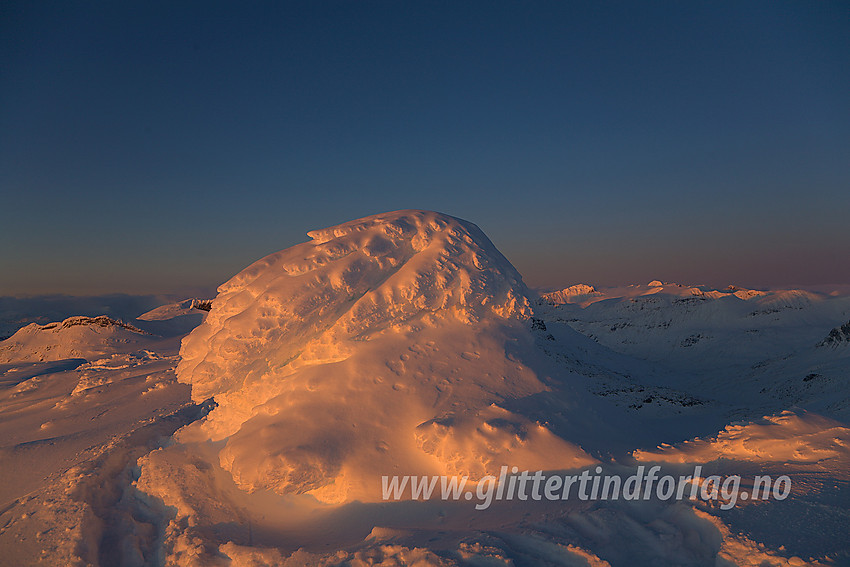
(387, 345)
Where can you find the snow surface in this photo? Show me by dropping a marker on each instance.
(405, 343)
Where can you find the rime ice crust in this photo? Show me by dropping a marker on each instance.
(297, 307)
(375, 348)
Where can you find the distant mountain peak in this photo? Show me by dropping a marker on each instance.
(573, 294)
(99, 321)
(75, 337)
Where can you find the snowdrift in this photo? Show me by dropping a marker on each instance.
(386, 345)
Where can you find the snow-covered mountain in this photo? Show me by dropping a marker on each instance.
(91, 337)
(75, 337)
(405, 343)
(578, 293)
(18, 312)
(763, 344)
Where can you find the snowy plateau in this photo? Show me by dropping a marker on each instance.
(254, 429)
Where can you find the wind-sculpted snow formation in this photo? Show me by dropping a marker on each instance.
(378, 347)
(405, 344)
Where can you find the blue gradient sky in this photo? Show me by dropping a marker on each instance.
(159, 146)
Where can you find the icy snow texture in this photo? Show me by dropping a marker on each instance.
(353, 280)
(377, 348)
